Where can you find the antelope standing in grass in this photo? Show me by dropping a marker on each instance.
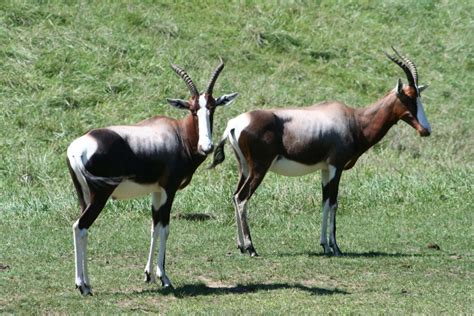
(157, 156)
(329, 136)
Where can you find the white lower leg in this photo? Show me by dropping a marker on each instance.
(84, 258)
(332, 231)
(160, 269)
(242, 212)
(332, 225)
(240, 238)
(324, 223)
(149, 276)
(78, 252)
(158, 199)
(326, 176)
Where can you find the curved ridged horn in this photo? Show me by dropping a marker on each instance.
(210, 85)
(192, 88)
(407, 65)
(410, 64)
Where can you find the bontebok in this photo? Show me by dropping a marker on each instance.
(329, 136)
(157, 156)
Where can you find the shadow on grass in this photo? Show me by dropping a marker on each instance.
(197, 217)
(201, 289)
(369, 254)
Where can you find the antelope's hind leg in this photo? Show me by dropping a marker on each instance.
(80, 233)
(241, 198)
(240, 239)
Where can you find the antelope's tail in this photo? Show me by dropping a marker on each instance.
(219, 154)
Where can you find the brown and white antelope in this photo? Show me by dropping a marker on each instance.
(329, 136)
(157, 156)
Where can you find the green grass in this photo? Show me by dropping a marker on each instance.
(67, 67)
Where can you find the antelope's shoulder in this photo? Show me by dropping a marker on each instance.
(157, 120)
(149, 128)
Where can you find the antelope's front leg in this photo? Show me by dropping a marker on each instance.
(160, 269)
(163, 232)
(325, 178)
(323, 240)
(330, 184)
(332, 230)
(333, 187)
(150, 277)
(160, 206)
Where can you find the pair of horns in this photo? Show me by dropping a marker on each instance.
(189, 82)
(407, 65)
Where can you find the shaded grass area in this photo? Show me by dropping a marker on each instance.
(405, 216)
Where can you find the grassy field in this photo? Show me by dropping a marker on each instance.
(69, 66)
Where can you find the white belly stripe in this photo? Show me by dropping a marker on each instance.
(129, 189)
(292, 168)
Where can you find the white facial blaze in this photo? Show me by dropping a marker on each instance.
(421, 116)
(204, 125)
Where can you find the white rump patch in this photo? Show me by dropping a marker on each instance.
(83, 147)
(238, 124)
(78, 153)
(128, 189)
(292, 168)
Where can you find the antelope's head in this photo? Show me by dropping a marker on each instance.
(411, 110)
(202, 106)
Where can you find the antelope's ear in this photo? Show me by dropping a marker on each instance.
(226, 99)
(399, 87)
(180, 104)
(423, 87)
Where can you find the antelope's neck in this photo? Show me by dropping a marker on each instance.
(376, 119)
(190, 138)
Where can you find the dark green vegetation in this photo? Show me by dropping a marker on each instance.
(67, 68)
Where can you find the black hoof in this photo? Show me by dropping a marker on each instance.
(336, 251)
(326, 250)
(242, 250)
(148, 277)
(84, 289)
(252, 252)
(166, 284)
(168, 287)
